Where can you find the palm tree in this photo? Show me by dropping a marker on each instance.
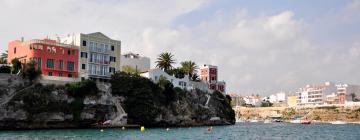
(165, 61)
(189, 67)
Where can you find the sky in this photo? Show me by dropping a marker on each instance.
(260, 47)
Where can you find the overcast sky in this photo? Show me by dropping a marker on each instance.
(259, 46)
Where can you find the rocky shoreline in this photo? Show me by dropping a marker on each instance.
(36, 106)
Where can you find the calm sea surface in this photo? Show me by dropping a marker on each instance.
(238, 131)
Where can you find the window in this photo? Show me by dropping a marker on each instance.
(112, 59)
(84, 43)
(69, 52)
(38, 62)
(83, 66)
(50, 63)
(73, 52)
(61, 64)
(70, 66)
(70, 75)
(61, 74)
(112, 47)
(50, 74)
(83, 54)
(111, 69)
(14, 50)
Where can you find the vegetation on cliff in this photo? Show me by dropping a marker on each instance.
(148, 103)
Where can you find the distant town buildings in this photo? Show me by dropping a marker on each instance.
(327, 93)
(137, 62)
(292, 100)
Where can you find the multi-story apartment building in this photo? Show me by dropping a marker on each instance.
(209, 74)
(315, 94)
(139, 63)
(56, 61)
(99, 55)
(347, 93)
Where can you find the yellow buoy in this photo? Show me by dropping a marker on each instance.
(123, 128)
(142, 129)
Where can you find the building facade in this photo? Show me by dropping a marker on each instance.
(347, 93)
(292, 101)
(209, 74)
(156, 74)
(315, 94)
(139, 63)
(53, 58)
(99, 55)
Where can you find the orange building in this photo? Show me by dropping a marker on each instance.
(50, 56)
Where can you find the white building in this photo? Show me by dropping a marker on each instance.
(155, 74)
(276, 98)
(252, 100)
(139, 63)
(315, 94)
(99, 55)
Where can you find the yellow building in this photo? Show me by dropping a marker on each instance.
(291, 101)
(99, 55)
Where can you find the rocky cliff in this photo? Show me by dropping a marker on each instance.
(31, 106)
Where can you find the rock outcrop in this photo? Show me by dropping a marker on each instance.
(36, 106)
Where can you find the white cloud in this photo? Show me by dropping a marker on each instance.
(351, 11)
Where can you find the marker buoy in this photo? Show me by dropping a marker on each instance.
(167, 129)
(101, 130)
(123, 128)
(142, 129)
(210, 128)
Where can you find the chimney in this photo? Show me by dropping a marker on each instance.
(22, 39)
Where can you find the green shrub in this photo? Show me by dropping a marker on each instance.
(266, 104)
(30, 72)
(16, 65)
(5, 69)
(82, 88)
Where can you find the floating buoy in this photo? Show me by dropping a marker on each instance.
(101, 130)
(210, 128)
(167, 129)
(123, 128)
(142, 129)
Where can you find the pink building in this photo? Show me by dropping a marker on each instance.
(209, 74)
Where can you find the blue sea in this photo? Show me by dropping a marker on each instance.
(276, 131)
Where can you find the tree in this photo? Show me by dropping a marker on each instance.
(165, 61)
(189, 67)
(177, 72)
(5, 69)
(30, 71)
(130, 70)
(353, 97)
(16, 65)
(266, 104)
(3, 58)
(195, 78)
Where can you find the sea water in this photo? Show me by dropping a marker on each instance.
(232, 132)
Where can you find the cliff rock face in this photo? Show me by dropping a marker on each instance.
(28, 106)
(32, 106)
(196, 108)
